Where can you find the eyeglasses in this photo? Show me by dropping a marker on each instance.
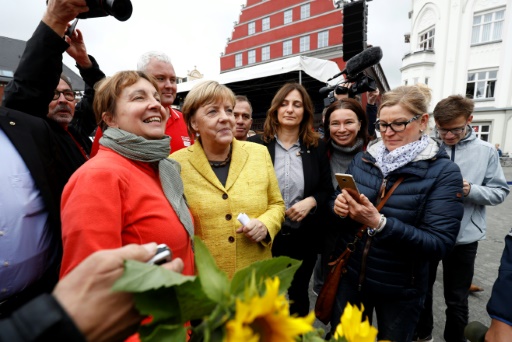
(454, 131)
(68, 95)
(395, 126)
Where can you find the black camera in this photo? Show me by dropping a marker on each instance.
(119, 9)
(360, 84)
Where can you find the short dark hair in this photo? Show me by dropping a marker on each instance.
(243, 98)
(453, 107)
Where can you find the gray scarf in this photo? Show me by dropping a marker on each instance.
(137, 148)
(341, 157)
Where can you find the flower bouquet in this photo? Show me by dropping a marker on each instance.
(252, 306)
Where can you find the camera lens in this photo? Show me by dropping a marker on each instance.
(119, 9)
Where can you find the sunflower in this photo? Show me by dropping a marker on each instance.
(351, 327)
(266, 318)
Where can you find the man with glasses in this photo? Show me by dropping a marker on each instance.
(39, 155)
(484, 184)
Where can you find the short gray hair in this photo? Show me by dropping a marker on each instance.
(148, 56)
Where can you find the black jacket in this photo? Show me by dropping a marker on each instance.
(317, 183)
(33, 85)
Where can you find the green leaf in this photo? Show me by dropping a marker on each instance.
(161, 304)
(215, 282)
(162, 333)
(193, 302)
(140, 277)
(282, 267)
(313, 336)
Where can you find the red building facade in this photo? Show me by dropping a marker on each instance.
(269, 30)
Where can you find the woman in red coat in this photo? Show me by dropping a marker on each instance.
(130, 192)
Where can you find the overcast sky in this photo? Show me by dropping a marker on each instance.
(192, 32)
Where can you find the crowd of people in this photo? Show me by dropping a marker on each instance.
(154, 174)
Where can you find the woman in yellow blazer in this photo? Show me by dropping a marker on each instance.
(224, 177)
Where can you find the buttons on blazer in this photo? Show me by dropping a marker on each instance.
(231, 239)
(228, 217)
(12, 123)
(224, 196)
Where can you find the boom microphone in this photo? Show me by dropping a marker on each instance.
(362, 61)
(475, 332)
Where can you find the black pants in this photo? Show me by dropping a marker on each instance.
(458, 269)
(296, 245)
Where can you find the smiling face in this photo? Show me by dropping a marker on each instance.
(291, 110)
(62, 110)
(344, 126)
(393, 140)
(215, 123)
(166, 79)
(138, 111)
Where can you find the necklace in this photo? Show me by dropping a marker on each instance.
(222, 163)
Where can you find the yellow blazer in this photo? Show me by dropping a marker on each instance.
(251, 188)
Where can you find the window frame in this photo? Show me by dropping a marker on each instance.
(303, 41)
(287, 45)
(489, 84)
(251, 56)
(239, 60)
(305, 11)
(477, 29)
(323, 39)
(265, 24)
(265, 53)
(288, 17)
(426, 39)
(251, 28)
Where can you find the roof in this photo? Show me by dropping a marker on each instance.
(260, 82)
(10, 54)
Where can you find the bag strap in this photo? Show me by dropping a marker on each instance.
(362, 230)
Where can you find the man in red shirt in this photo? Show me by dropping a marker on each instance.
(159, 65)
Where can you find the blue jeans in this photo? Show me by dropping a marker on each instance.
(396, 317)
(458, 269)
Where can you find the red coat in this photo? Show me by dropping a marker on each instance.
(112, 201)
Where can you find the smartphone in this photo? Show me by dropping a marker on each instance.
(163, 254)
(70, 29)
(347, 182)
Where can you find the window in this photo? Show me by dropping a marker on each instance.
(252, 57)
(287, 47)
(304, 11)
(323, 39)
(487, 27)
(482, 131)
(238, 60)
(426, 41)
(481, 84)
(252, 28)
(6, 73)
(265, 53)
(304, 43)
(288, 16)
(265, 24)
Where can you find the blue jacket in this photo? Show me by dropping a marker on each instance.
(423, 220)
(479, 165)
(500, 304)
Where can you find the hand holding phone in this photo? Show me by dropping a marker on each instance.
(163, 254)
(346, 181)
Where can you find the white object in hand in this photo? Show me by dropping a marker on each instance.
(243, 218)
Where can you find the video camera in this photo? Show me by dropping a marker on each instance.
(356, 81)
(119, 9)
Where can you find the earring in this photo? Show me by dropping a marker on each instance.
(421, 131)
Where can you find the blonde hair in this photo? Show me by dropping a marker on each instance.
(414, 98)
(202, 94)
(109, 89)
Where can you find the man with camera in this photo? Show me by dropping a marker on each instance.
(42, 156)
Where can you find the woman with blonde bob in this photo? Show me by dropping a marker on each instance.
(223, 178)
(388, 271)
(140, 197)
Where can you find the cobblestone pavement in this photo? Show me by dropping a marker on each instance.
(499, 223)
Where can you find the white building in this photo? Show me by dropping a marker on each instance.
(465, 47)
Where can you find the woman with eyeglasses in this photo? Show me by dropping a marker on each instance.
(388, 271)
